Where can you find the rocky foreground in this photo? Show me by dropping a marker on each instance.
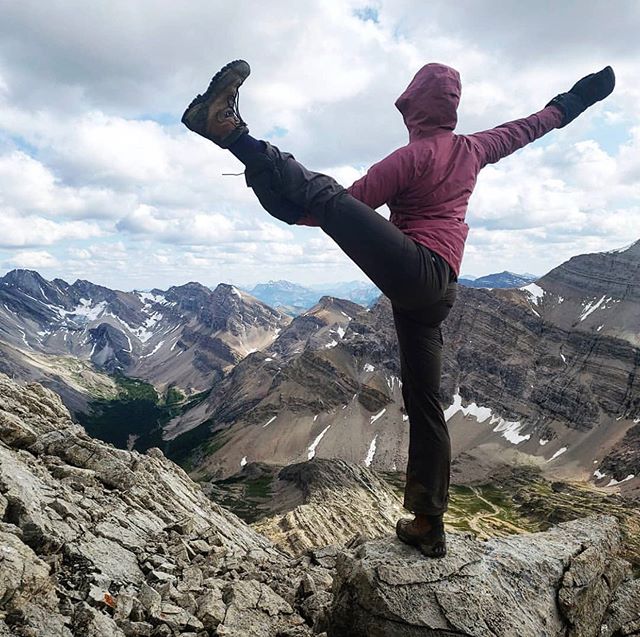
(101, 542)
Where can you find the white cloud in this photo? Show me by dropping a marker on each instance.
(33, 259)
(197, 228)
(37, 231)
(81, 157)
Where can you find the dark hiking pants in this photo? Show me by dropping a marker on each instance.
(420, 285)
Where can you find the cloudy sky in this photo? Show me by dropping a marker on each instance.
(99, 180)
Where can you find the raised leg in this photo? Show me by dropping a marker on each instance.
(408, 273)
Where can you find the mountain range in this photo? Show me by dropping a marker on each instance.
(70, 336)
(546, 373)
(294, 299)
(500, 280)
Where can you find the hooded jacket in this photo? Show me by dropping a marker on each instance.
(428, 182)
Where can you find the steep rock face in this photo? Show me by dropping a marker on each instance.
(98, 541)
(498, 352)
(566, 581)
(597, 292)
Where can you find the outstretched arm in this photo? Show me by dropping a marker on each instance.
(494, 144)
(498, 142)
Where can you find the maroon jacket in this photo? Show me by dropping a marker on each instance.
(428, 182)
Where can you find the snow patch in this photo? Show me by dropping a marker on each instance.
(543, 442)
(535, 292)
(269, 421)
(147, 298)
(391, 381)
(243, 461)
(613, 481)
(340, 331)
(378, 415)
(144, 332)
(331, 344)
(479, 413)
(312, 448)
(510, 430)
(599, 475)
(152, 352)
(343, 314)
(368, 367)
(405, 417)
(557, 453)
(562, 356)
(372, 452)
(591, 307)
(90, 313)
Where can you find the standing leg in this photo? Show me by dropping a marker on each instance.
(428, 468)
(429, 459)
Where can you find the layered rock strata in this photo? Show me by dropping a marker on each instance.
(101, 542)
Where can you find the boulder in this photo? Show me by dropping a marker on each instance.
(559, 582)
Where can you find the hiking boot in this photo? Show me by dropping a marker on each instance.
(215, 114)
(431, 543)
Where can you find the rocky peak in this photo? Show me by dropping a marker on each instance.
(350, 495)
(615, 274)
(566, 581)
(597, 292)
(335, 304)
(29, 282)
(97, 541)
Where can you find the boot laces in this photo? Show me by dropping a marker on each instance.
(234, 107)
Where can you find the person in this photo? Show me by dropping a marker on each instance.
(415, 256)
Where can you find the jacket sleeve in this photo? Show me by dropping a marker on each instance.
(385, 179)
(498, 142)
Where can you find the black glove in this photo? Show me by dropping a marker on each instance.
(584, 93)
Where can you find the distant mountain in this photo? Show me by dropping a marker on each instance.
(500, 280)
(360, 292)
(294, 299)
(186, 336)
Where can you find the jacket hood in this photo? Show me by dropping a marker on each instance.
(430, 102)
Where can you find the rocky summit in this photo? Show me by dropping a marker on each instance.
(101, 542)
